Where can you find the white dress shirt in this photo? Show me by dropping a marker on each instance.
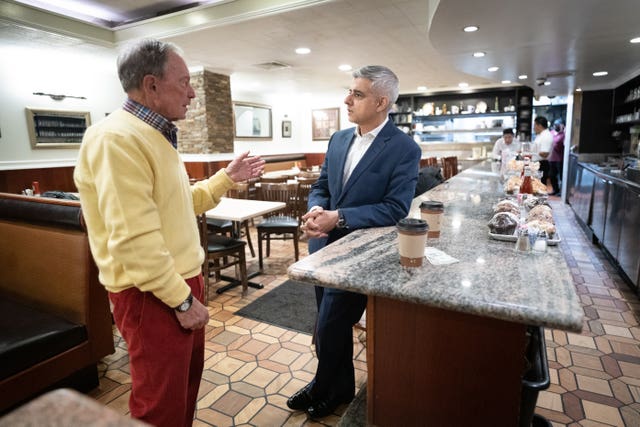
(501, 147)
(542, 144)
(358, 148)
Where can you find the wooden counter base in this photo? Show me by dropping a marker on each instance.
(444, 368)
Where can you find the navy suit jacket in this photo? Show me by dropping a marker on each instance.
(380, 189)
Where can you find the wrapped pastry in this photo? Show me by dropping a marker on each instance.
(534, 201)
(507, 206)
(538, 186)
(512, 184)
(540, 225)
(503, 223)
(540, 213)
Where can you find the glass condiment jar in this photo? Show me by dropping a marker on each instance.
(540, 244)
(522, 243)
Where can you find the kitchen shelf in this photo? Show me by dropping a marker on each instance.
(486, 130)
(466, 126)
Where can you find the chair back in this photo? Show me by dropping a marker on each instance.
(240, 190)
(280, 192)
(449, 167)
(273, 179)
(429, 161)
(304, 187)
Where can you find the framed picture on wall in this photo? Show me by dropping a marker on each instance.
(252, 120)
(324, 123)
(286, 128)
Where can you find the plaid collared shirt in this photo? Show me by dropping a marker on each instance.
(153, 119)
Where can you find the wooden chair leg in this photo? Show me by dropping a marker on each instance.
(246, 230)
(295, 245)
(260, 249)
(243, 272)
(268, 245)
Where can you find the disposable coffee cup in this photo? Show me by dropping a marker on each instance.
(412, 238)
(431, 211)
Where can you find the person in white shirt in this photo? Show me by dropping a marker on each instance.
(542, 145)
(505, 146)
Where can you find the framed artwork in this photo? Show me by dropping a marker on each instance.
(56, 128)
(252, 120)
(286, 128)
(324, 123)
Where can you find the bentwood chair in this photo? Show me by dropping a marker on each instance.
(221, 252)
(282, 224)
(449, 167)
(240, 190)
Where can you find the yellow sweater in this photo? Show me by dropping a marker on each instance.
(140, 209)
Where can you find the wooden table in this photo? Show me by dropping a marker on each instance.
(237, 211)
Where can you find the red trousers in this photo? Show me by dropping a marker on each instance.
(165, 360)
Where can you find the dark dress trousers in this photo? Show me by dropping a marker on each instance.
(378, 193)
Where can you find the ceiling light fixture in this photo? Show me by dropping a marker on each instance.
(547, 83)
(635, 40)
(506, 82)
(303, 50)
(579, 89)
(492, 69)
(522, 76)
(600, 73)
(478, 54)
(344, 67)
(422, 88)
(470, 28)
(463, 85)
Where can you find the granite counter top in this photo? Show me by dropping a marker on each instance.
(491, 279)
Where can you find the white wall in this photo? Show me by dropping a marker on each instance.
(91, 73)
(297, 108)
(25, 69)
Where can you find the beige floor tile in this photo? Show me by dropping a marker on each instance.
(602, 413)
(595, 385)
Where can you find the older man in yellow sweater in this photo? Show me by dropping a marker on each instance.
(140, 214)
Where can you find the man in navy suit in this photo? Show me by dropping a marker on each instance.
(367, 180)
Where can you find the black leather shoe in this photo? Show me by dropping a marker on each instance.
(324, 407)
(301, 400)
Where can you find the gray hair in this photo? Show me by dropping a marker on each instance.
(141, 58)
(383, 81)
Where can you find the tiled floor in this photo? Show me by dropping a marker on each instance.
(251, 367)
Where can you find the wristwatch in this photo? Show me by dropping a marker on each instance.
(342, 223)
(185, 305)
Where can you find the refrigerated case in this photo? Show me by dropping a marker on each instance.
(629, 247)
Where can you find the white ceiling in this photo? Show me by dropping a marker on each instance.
(564, 41)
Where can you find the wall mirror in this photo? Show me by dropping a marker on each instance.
(252, 120)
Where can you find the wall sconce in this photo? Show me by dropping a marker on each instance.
(58, 97)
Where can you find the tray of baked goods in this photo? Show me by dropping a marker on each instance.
(514, 180)
(533, 213)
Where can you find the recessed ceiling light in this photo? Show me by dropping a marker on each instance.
(344, 67)
(635, 40)
(506, 82)
(303, 50)
(463, 85)
(547, 83)
(522, 76)
(470, 28)
(492, 69)
(600, 73)
(478, 54)
(579, 89)
(422, 88)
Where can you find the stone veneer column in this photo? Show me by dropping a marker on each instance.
(208, 127)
